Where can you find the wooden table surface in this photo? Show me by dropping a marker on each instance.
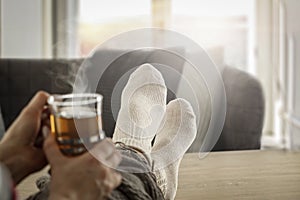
(240, 175)
(232, 175)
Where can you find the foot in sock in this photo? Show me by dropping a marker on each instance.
(142, 108)
(178, 131)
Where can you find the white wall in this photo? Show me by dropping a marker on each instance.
(293, 30)
(264, 63)
(21, 29)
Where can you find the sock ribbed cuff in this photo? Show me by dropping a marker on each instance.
(143, 144)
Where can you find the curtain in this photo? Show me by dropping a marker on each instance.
(65, 28)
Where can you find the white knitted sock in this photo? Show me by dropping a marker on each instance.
(143, 105)
(178, 131)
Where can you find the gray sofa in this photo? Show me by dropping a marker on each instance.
(21, 78)
(245, 112)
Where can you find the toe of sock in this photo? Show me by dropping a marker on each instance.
(146, 73)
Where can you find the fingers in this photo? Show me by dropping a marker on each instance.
(37, 160)
(109, 158)
(45, 120)
(104, 149)
(53, 154)
(110, 182)
(114, 160)
(39, 140)
(37, 103)
(106, 153)
(116, 179)
(46, 117)
(85, 168)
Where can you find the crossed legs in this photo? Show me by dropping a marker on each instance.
(144, 115)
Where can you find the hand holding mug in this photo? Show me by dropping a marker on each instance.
(83, 176)
(17, 149)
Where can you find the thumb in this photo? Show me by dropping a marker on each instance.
(50, 147)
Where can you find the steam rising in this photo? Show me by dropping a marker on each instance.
(70, 76)
(80, 83)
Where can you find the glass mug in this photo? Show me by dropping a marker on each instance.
(76, 122)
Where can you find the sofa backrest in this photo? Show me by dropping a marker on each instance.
(20, 79)
(245, 112)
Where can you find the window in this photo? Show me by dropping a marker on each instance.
(221, 27)
(101, 19)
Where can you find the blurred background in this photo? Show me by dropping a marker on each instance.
(260, 37)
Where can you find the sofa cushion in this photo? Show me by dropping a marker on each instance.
(245, 112)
